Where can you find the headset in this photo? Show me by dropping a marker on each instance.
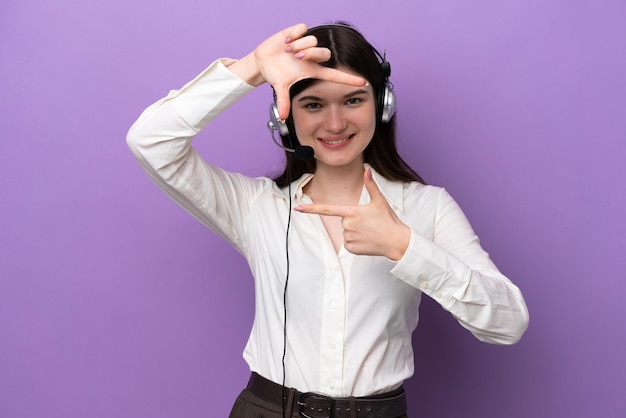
(385, 108)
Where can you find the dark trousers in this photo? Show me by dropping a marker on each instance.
(249, 405)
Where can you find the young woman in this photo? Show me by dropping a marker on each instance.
(335, 310)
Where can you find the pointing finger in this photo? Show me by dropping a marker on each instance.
(328, 210)
(338, 76)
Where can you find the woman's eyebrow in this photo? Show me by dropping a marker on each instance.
(355, 93)
(311, 97)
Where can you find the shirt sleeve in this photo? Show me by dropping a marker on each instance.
(453, 269)
(161, 140)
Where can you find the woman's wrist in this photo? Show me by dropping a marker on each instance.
(400, 243)
(246, 69)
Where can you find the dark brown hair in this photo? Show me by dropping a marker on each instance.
(349, 49)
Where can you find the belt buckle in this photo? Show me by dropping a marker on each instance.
(318, 397)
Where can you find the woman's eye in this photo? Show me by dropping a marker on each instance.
(354, 100)
(313, 106)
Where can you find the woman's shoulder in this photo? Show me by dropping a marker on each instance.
(417, 187)
(429, 197)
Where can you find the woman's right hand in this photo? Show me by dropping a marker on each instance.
(286, 58)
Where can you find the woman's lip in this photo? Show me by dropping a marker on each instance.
(336, 141)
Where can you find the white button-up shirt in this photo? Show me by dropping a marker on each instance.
(349, 317)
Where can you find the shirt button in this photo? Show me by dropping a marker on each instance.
(439, 295)
(333, 305)
(426, 285)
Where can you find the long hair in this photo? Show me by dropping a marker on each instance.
(349, 49)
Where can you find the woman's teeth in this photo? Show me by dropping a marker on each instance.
(336, 141)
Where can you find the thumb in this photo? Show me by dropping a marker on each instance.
(283, 102)
(372, 187)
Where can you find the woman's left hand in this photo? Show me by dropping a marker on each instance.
(372, 229)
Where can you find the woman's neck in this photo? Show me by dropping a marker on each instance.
(336, 185)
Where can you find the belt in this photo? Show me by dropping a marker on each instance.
(315, 405)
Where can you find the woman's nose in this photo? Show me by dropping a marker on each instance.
(336, 121)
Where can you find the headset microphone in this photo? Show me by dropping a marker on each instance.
(301, 152)
(304, 153)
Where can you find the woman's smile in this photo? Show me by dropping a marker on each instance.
(336, 141)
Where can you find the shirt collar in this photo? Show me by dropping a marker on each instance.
(391, 190)
(296, 187)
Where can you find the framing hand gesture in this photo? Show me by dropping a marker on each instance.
(287, 57)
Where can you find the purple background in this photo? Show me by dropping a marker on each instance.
(115, 303)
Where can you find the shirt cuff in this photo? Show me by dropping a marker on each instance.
(432, 270)
(210, 93)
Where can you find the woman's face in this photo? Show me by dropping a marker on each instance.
(336, 120)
